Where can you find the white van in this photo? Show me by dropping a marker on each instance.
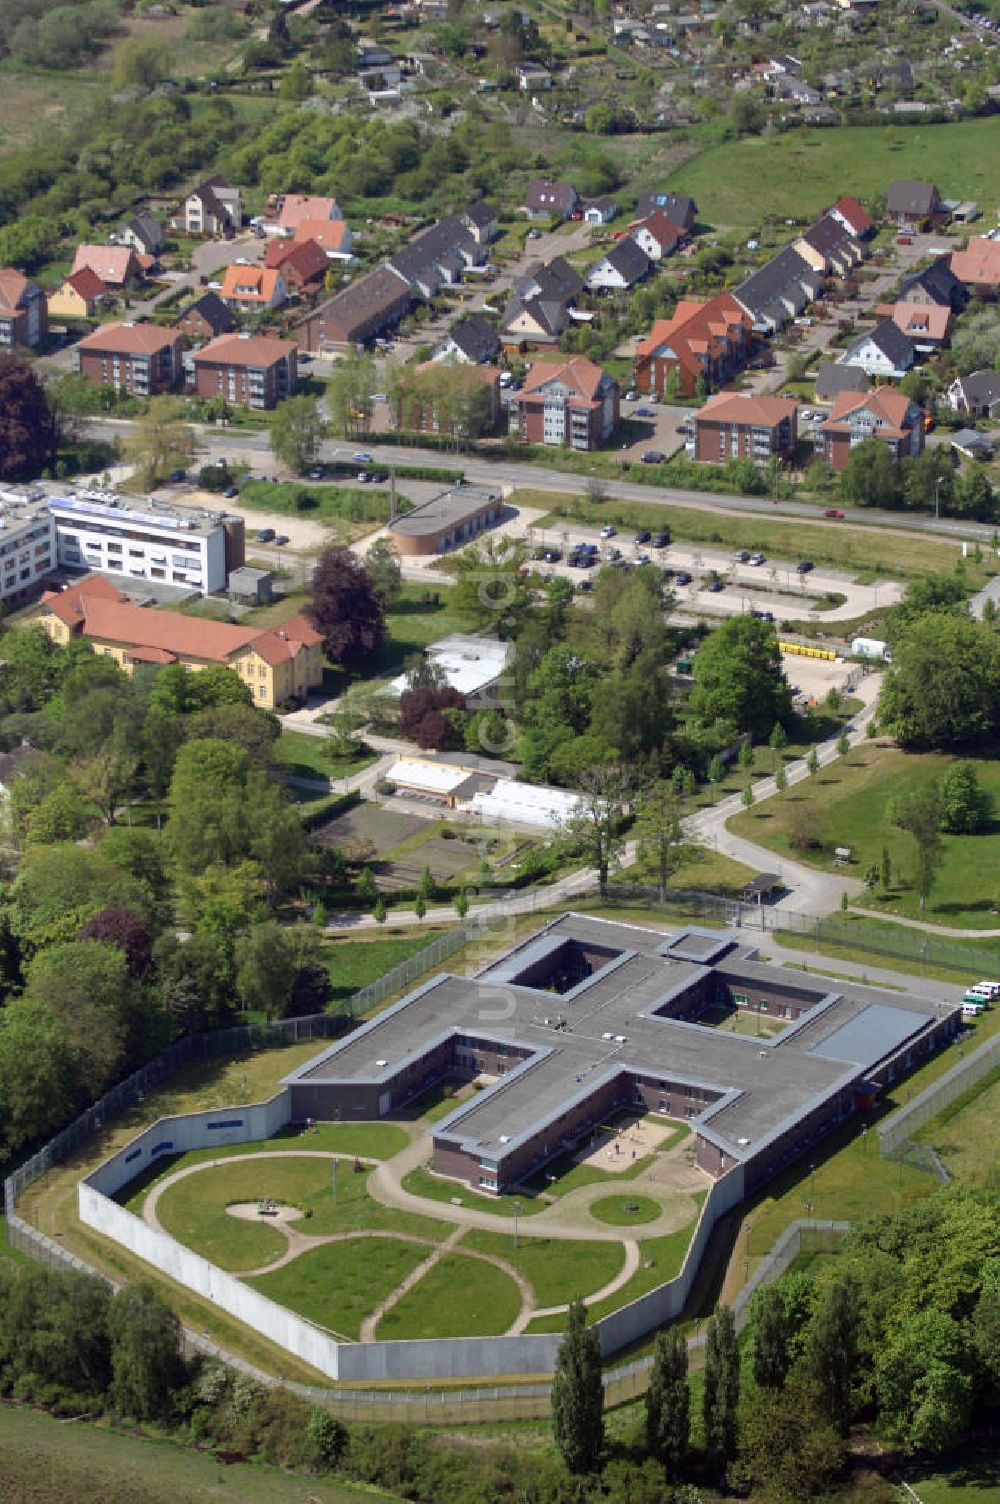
(983, 992)
(972, 1010)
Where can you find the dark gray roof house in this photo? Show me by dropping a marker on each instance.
(144, 233)
(978, 394)
(208, 308)
(481, 220)
(550, 198)
(910, 203)
(556, 279)
(937, 283)
(623, 266)
(680, 208)
(884, 350)
(832, 379)
(830, 238)
(438, 256)
(472, 339)
(973, 444)
(780, 289)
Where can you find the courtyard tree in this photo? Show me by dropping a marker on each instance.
(919, 813)
(27, 425)
(738, 678)
(297, 427)
(721, 1393)
(160, 441)
(668, 1401)
(489, 585)
(346, 607)
(577, 1396)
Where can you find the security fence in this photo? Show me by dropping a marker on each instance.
(897, 941)
(894, 1134)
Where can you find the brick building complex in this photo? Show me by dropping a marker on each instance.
(588, 1017)
(573, 403)
(882, 414)
(23, 311)
(737, 426)
(703, 343)
(254, 369)
(138, 358)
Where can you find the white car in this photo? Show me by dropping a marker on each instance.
(363, 458)
(607, 531)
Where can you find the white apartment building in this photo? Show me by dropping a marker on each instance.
(27, 541)
(97, 530)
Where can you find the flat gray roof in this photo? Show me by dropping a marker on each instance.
(447, 510)
(563, 1046)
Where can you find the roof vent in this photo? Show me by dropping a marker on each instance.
(761, 1054)
(381, 1062)
(505, 1138)
(742, 1142)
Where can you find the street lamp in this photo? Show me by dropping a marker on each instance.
(516, 1210)
(937, 498)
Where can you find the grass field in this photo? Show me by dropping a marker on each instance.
(967, 1134)
(305, 756)
(558, 1271)
(419, 616)
(352, 964)
(836, 544)
(972, 1478)
(849, 799)
(421, 1182)
(348, 511)
(798, 174)
(458, 1297)
(626, 1210)
(339, 1284)
(46, 1461)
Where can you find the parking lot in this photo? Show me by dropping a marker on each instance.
(713, 582)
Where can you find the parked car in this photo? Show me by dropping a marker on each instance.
(362, 458)
(316, 473)
(230, 492)
(611, 554)
(653, 457)
(716, 585)
(686, 427)
(832, 512)
(533, 235)
(266, 535)
(804, 566)
(176, 476)
(644, 412)
(757, 559)
(608, 531)
(742, 556)
(584, 585)
(552, 556)
(644, 536)
(379, 477)
(661, 540)
(631, 396)
(667, 573)
(281, 539)
(904, 239)
(642, 558)
(683, 578)
(362, 477)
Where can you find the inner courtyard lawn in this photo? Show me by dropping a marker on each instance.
(846, 805)
(458, 1297)
(421, 1182)
(339, 1284)
(558, 1270)
(625, 1210)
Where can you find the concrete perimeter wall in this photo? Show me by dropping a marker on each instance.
(361, 1362)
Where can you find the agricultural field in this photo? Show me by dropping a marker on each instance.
(845, 804)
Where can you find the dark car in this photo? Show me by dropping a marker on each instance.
(666, 574)
(683, 578)
(644, 537)
(715, 586)
(231, 491)
(661, 540)
(379, 477)
(281, 539)
(804, 566)
(266, 535)
(644, 412)
(653, 457)
(552, 556)
(742, 556)
(584, 585)
(177, 476)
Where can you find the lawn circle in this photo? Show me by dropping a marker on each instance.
(625, 1211)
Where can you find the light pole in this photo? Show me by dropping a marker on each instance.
(335, 1163)
(516, 1209)
(937, 498)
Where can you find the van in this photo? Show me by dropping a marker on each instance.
(983, 992)
(972, 1010)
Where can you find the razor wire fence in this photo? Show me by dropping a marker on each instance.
(896, 941)
(970, 1070)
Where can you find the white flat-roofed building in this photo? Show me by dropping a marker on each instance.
(465, 783)
(28, 546)
(472, 665)
(99, 531)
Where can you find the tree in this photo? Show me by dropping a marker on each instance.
(420, 906)
(346, 607)
(488, 583)
(297, 428)
(739, 679)
(423, 715)
(871, 476)
(38, 1077)
(919, 812)
(28, 434)
(140, 62)
(746, 755)
(209, 822)
(659, 833)
(812, 762)
(831, 1351)
(106, 776)
(577, 1395)
(160, 441)
(843, 744)
(350, 393)
(780, 778)
(721, 1394)
(146, 1362)
(596, 821)
(748, 796)
(923, 1381)
(788, 1449)
(966, 807)
(461, 903)
(87, 987)
(265, 975)
(380, 912)
(770, 1337)
(117, 925)
(716, 769)
(385, 571)
(668, 1401)
(943, 687)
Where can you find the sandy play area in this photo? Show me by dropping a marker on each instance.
(616, 1150)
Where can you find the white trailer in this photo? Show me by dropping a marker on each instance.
(872, 649)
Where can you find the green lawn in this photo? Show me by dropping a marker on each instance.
(798, 174)
(421, 1182)
(973, 1478)
(576, 1175)
(305, 756)
(458, 1297)
(848, 801)
(558, 1271)
(967, 1134)
(193, 1210)
(352, 964)
(339, 1284)
(421, 615)
(837, 544)
(625, 1210)
(349, 511)
(664, 1257)
(46, 1461)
